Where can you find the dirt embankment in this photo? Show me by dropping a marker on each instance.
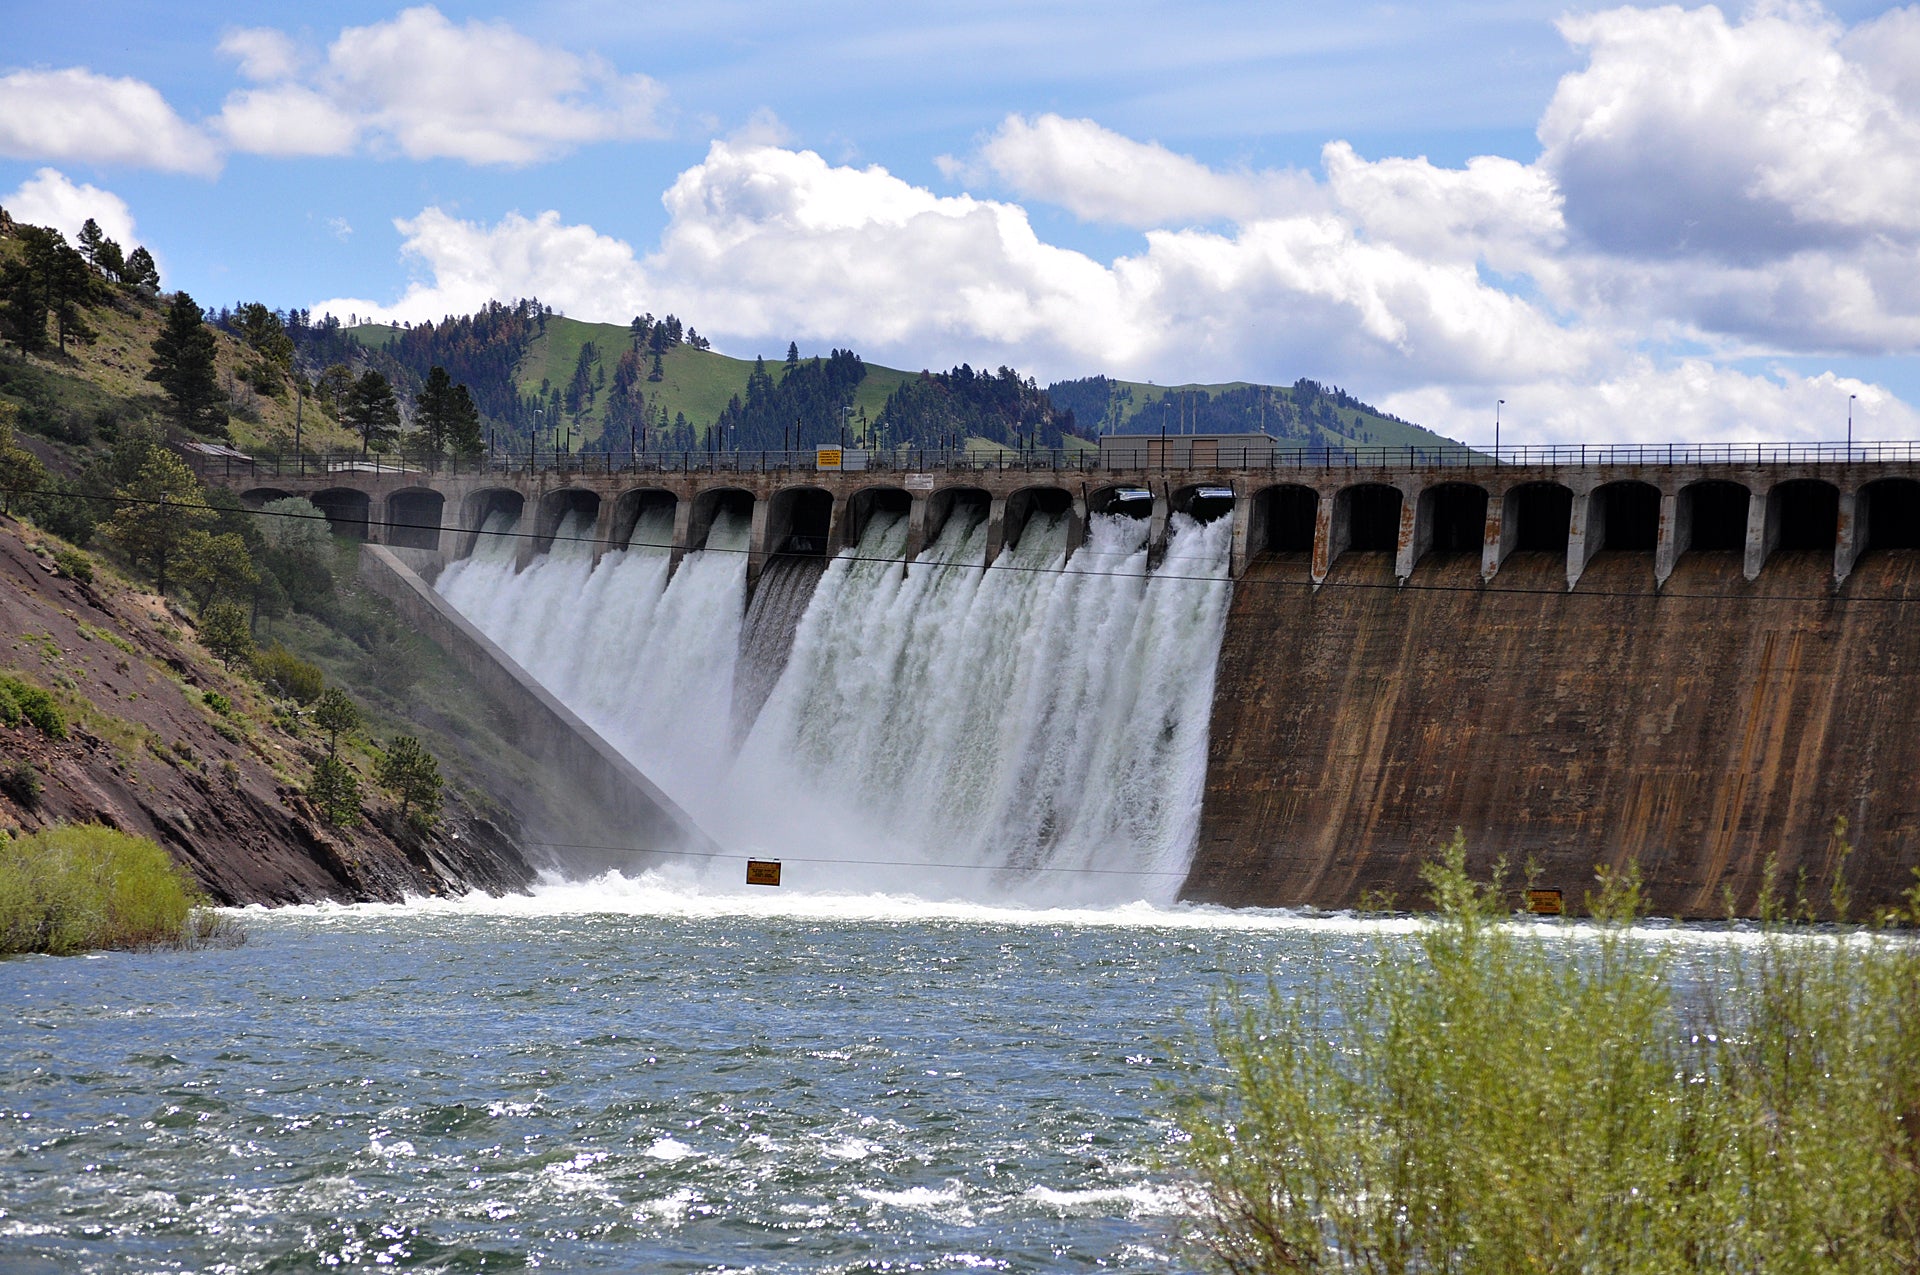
(146, 751)
(1695, 730)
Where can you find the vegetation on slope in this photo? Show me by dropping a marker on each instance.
(79, 888)
(605, 386)
(1483, 1096)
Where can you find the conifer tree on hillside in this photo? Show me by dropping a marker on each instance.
(372, 411)
(140, 271)
(183, 367)
(158, 514)
(463, 426)
(433, 410)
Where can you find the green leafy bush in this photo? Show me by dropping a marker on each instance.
(1486, 1096)
(81, 887)
(74, 565)
(217, 702)
(286, 674)
(23, 701)
(20, 781)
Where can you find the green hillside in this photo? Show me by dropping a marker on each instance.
(698, 384)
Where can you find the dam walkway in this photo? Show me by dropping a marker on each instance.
(1662, 499)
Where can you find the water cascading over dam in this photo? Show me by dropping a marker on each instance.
(1035, 730)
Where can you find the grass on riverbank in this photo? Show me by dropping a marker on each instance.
(79, 888)
(1492, 1097)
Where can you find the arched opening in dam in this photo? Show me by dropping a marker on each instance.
(571, 508)
(1454, 517)
(869, 504)
(348, 510)
(1203, 502)
(643, 518)
(1540, 516)
(1889, 513)
(1803, 514)
(800, 520)
(1288, 514)
(1126, 502)
(494, 510)
(254, 497)
(1713, 517)
(1366, 519)
(1628, 514)
(1023, 507)
(414, 518)
(718, 505)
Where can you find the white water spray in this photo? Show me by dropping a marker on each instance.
(1035, 732)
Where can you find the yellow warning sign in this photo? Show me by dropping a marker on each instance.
(1543, 902)
(826, 458)
(763, 872)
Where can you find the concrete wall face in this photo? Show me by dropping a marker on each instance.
(1694, 730)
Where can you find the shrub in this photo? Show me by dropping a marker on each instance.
(1486, 1096)
(219, 703)
(74, 565)
(80, 887)
(286, 674)
(20, 781)
(21, 700)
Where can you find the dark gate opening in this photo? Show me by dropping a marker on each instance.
(1543, 515)
(1459, 518)
(1373, 518)
(1632, 517)
(1809, 514)
(1291, 514)
(1892, 513)
(1716, 514)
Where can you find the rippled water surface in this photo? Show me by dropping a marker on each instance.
(675, 1084)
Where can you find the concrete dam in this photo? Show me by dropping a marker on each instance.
(1280, 684)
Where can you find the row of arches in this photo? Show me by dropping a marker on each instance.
(1451, 517)
(800, 520)
(1710, 516)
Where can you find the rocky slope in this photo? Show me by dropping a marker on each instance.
(215, 780)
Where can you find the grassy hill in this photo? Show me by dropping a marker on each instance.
(698, 383)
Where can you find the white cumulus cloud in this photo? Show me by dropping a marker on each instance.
(423, 86)
(51, 198)
(74, 115)
(1104, 176)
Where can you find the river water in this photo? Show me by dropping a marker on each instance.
(631, 1076)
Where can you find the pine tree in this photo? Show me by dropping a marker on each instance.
(183, 367)
(90, 238)
(335, 713)
(433, 410)
(410, 772)
(372, 411)
(158, 513)
(463, 428)
(140, 271)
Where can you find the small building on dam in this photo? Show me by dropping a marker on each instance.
(1699, 660)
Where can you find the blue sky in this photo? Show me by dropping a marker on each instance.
(1629, 223)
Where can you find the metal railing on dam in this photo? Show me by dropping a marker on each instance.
(1661, 499)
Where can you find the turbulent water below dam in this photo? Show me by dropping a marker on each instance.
(623, 1076)
(1034, 731)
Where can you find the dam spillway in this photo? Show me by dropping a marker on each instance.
(1034, 731)
(1692, 659)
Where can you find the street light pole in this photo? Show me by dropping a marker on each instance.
(1497, 405)
(1850, 399)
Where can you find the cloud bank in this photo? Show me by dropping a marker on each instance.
(1711, 196)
